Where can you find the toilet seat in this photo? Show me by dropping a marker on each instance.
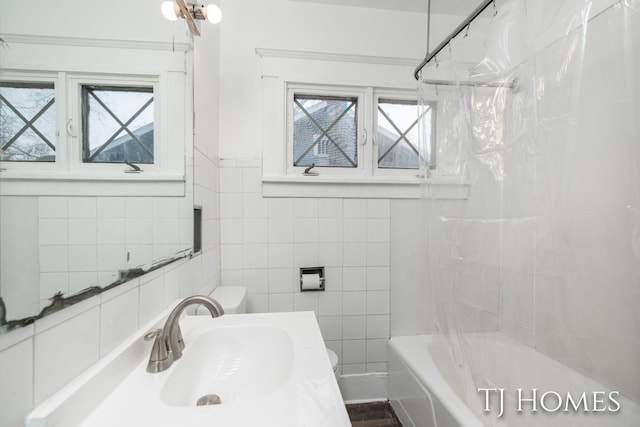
(333, 358)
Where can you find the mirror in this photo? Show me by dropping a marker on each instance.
(72, 227)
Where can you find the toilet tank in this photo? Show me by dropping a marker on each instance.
(233, 299)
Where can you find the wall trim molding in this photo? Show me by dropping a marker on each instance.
(90, 42)
(335, 57)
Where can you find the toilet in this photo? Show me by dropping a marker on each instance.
(233, 300)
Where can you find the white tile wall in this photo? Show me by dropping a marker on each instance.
(349, 237)
(36, 361)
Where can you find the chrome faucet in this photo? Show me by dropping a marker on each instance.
(168, 344)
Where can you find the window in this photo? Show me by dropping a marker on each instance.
(118, 124)
(330, 128)
(325, 131)
(27, 122)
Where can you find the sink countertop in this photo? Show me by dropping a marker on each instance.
(307, 395)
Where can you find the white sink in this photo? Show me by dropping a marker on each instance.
(237, 364)
(266, 369)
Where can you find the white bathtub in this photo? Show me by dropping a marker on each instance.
(426, 391)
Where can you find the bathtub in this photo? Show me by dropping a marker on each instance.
(425, 389)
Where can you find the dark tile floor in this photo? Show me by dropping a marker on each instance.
(376, 414)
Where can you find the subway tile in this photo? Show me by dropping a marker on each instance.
(280, 230)
(111, 207)
(355, 254)
(231, 231)
(354, 278)
(138, 207)
(330, 230)
(305, 230)
(354, 327)
(378, 254)
(110, 231)
(166, 231)
(139, 255)
(254, 205)
(353, 351)
(255, 255)
(255, 230)
(377, 326)
(378, 230)
(230, 180)
(252, 180)
(282, 280)
(52, 207)
(378, 302)
(80, 280)
(84, 231)
(16, 393)
(111, 257)
(82, 207)
(53, 231)
(231, 277)
(379, 367)
(54, 364)
(51, 283)
(166, 207)
(378, 279)
(376, 350)
(305, 208)
(354, 230)
(54, 258)
(138, 231)
(306, 301)
(151, 299)
(305, 255)
(280, 255)
(330, 254)
(378, 208)
(279, 303)
(354, 303)
(118, 319)
(331, 327)
(333, 279)
(353, 368)
(355, 208)
(330, 208)
(231, 205)
(231, 257)
(280, 208)
(258, 303)
(330, 304)
(256, 281)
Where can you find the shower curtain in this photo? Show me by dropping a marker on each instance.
(545, 249)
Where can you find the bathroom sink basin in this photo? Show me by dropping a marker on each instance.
(235, 363)
(238, 370)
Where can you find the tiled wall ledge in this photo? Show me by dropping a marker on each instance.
(38, 360)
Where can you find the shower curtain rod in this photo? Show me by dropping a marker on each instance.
(506, 85)
(451, 36)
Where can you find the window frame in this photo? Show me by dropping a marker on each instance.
(334, 91)
(397, 95)
(75, 127)
(39, 78)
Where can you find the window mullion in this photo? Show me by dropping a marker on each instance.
(368, 147)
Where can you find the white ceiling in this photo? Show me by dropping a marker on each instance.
(446, 7)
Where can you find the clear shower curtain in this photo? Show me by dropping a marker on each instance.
(545, 249)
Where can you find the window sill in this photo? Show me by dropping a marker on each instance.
(370, 188)
(35, 183)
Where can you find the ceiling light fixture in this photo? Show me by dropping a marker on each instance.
(172, 10)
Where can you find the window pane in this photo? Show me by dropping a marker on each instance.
(398, 134)
(325, 131)
(117, 124)
(27, 122)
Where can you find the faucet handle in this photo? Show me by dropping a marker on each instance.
(152, 334)
(160, 358)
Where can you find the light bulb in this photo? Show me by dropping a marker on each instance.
(214, 14)
(169, 10)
